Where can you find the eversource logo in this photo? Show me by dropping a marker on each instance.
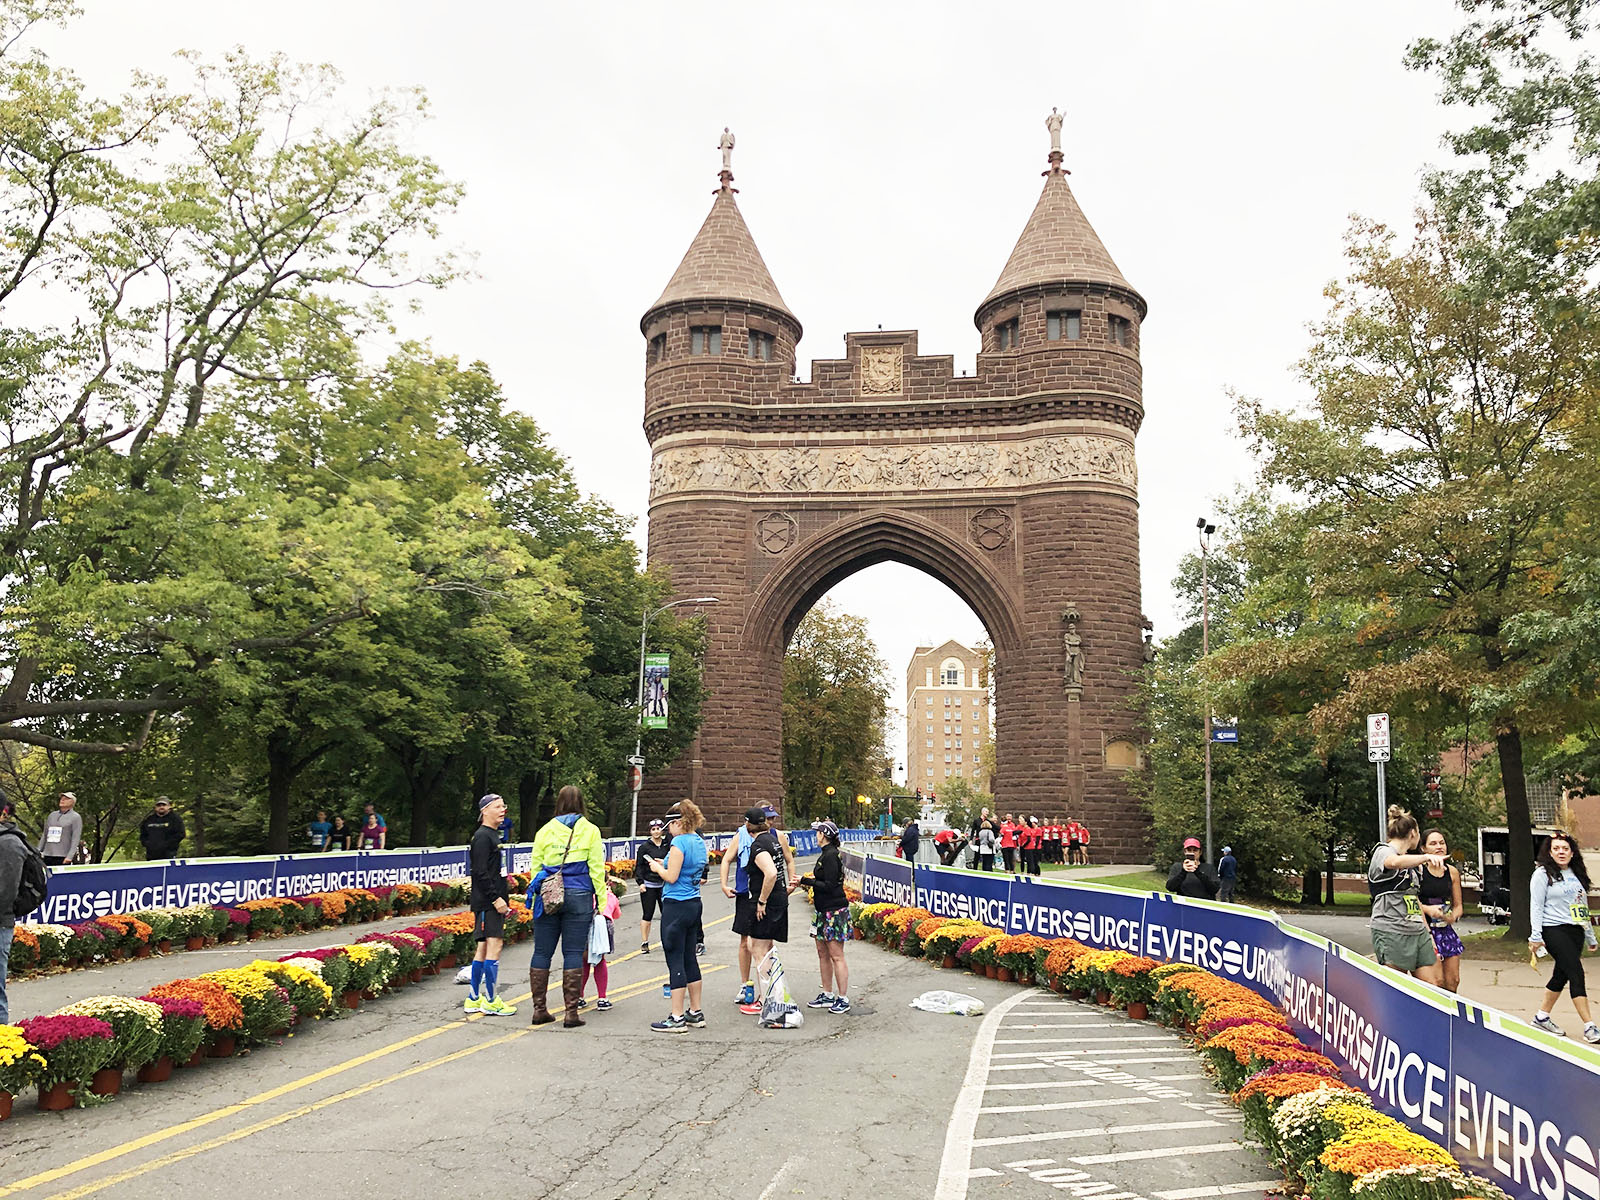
(1539, 1157)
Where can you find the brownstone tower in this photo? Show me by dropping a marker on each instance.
(1016, 487)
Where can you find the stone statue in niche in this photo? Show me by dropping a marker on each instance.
(1072, 644)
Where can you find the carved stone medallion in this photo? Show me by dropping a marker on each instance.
(881, 368)
(776, 532)
(991, 528)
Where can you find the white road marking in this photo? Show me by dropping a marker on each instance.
(1076, 1058)
(1231, 1189)
(1192, 1075)
(1059, 1135)
(1057, 1083)
(983, 1173)
(1116, 1102)
(1071, 1025)
(956, 1160)
(766, 1192)
(1033, 1066)
(1082, 1041)
(1147, 1058)
(1089, 1160)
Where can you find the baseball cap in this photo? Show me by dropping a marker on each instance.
(1191, 843)
(160, 800)
(827, 828)
(756, 815)
(485, 801)
(768, 811)
(68, 795)
(1227, 849)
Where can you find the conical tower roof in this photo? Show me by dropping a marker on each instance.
(723, 263)
(1058, 245)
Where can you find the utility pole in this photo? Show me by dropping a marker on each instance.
(637, 761)
(1206, 530)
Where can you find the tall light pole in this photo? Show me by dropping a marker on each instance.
(1206, 530)
(637, 760)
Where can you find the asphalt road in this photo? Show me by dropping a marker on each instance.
(406, 1099)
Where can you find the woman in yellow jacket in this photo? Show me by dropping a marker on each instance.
(570, 844)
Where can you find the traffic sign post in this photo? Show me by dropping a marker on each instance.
(1379, 749)
(1225, 731)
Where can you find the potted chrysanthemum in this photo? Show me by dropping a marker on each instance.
(73, 1049)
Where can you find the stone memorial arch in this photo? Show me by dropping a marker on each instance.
(1016, 487)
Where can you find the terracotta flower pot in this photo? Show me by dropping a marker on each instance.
(990, 971)
(142, 950)
(351, 999)
(1057, 987)
(1138, 1010)
(223, 1047)
(416, 975)
(195, 1059)
(948, 961)
(253, 935)
(1004, 975)
(116, 954)
(1025, 979)
(1078, 993)
(430, 969)
(1102, 997)
(107, 1081)
(156, 1072)
(5, 1105)
(448, 962)
(55, 1098)
(164, 946)
(226, 935)
(197, 942)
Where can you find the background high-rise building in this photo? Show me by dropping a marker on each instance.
(947, 715)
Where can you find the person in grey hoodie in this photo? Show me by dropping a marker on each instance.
(12, 850)
(63, 830)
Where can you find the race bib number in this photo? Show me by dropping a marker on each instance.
(1580, 912)
(1413, 906)
(52, 835)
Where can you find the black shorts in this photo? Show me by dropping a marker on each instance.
(772, 928)
(1073, 844)
(488, 924)
(744, 914)
(649, 897)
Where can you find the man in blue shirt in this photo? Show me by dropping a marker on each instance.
(737, 858)
(1227, 874)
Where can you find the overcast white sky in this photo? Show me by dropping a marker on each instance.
(888, 155)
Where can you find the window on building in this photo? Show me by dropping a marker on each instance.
(958, 743)
(947, 729)
(930, 743)
(947, 772)
(705, 339)
(958, 773)
(930, 728)
(1063, 326)
(947, 758)
(761, 345)
(947, 701)
(1005, 335)
(958, 758)
(658, 348)
(1120, 330)
(958, 701)
(947, 743)
(930, 756)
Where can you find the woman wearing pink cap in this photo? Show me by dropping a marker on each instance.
(1191, 877)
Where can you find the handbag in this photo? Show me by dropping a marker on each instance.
(553, 891)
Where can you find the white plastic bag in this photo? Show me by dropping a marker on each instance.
(949, 1002)
(599, 939)
(778, 1007)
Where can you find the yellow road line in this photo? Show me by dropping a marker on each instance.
(154, 1139)
(187, 1152)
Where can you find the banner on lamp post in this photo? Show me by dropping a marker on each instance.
(657, 668)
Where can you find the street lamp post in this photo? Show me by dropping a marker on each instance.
(1206, 530)
(650, 614)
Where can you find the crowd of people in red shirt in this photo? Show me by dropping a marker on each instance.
(1022, 844)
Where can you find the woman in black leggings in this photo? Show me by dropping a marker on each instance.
(1560, 914)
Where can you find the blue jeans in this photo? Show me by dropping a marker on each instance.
(571, 925)
(5, 960)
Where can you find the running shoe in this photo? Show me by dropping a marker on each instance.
(839, 1006)
(644, 947)
(694, 1019)
(472, 1005)
(670, 1024)
(1543, 1021)
(1591, 1034)
(750, 1010)
(583, 1003)
(497, 1008)
(823, 1000)
(602, 1004)
(699, 949)
(747, 994)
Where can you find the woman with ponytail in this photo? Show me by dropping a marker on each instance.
(1399, 923)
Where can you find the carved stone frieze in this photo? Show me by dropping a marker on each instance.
(939, 466)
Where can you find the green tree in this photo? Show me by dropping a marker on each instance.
(835, 704)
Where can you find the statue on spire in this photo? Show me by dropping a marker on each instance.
(725, 144)
(1053, 123)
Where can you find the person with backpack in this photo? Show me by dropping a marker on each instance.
(23, 886)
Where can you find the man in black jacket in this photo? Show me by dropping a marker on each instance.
(910, 839)
(12, 852)
(489, 903)
(162, 832)
(1191, 877)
